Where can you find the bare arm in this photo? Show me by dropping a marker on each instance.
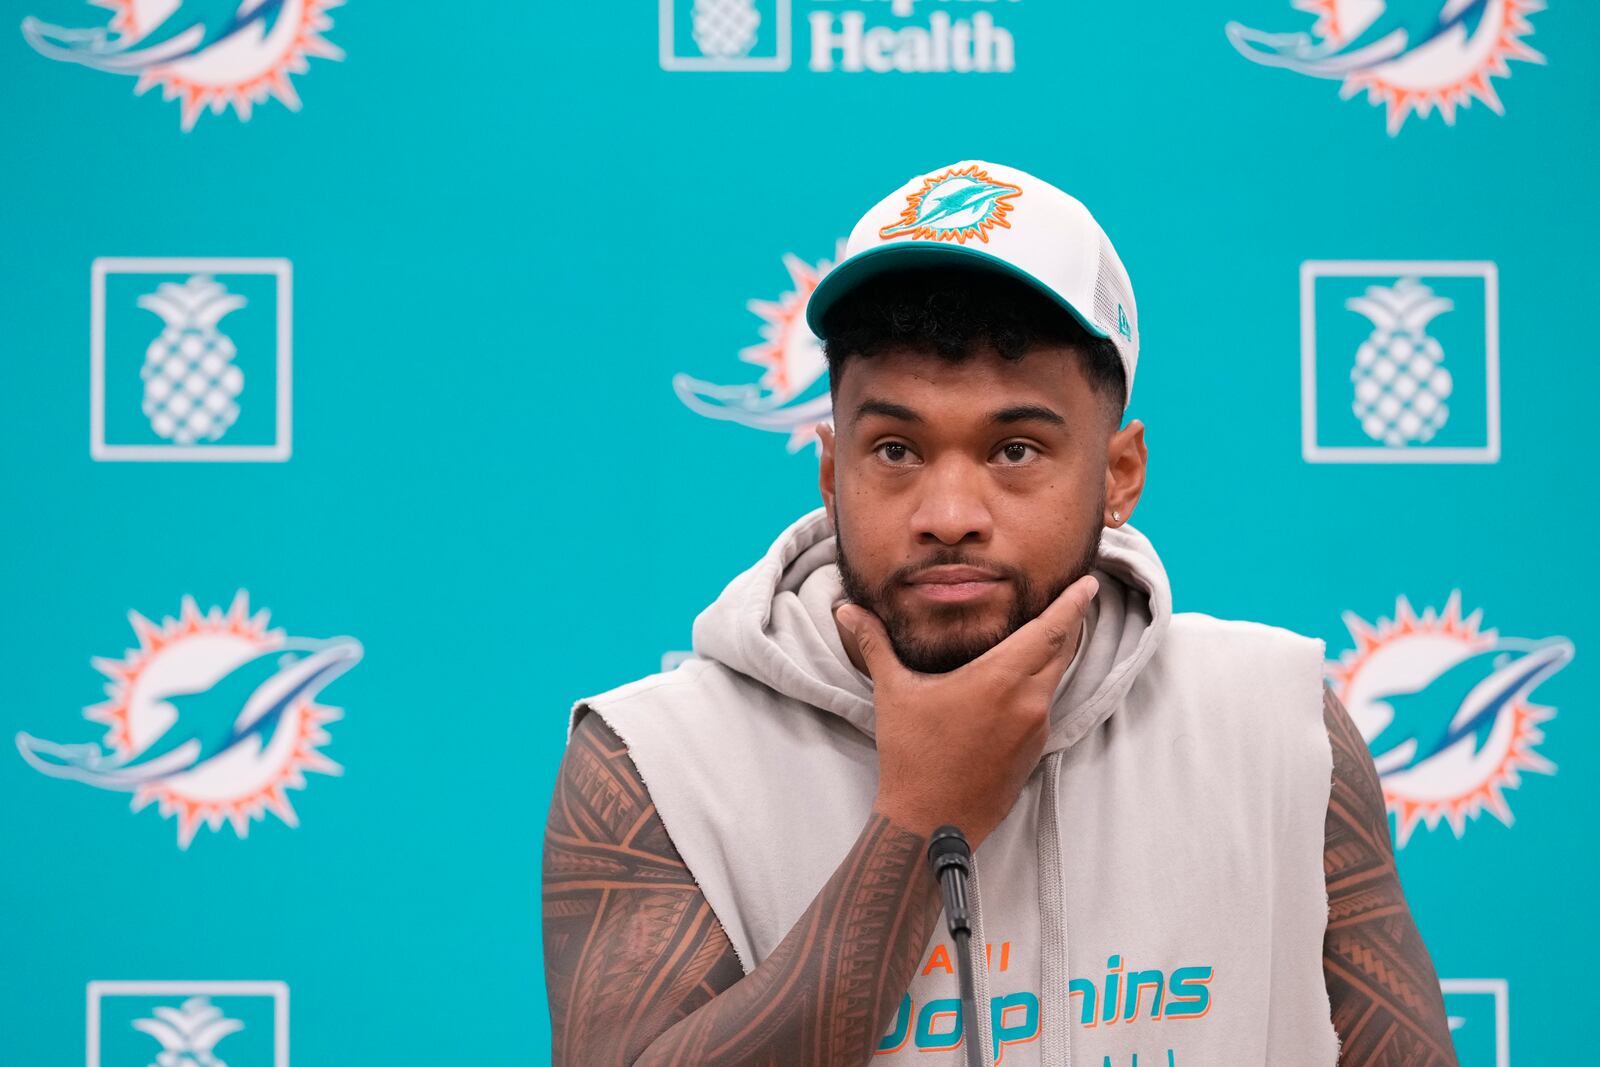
(640, 972)
(1387, 1007)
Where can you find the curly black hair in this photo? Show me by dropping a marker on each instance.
(953, 312)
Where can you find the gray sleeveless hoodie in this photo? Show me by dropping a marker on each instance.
(1154, 898)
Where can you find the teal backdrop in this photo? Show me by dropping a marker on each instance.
(509, 228)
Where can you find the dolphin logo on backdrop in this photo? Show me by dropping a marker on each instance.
(202, 53)
(1413, 56)
(1446, 708)
(792, 396)
(213, 717)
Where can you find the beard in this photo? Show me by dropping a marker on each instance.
(952, 636)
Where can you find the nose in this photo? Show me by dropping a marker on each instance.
(951, 508)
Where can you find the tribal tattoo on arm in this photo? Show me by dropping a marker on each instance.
(639, 970)
(1387, 1007)
(630, 944)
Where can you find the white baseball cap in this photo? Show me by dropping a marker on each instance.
(992, 217)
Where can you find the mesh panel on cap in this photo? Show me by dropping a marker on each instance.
(1111, 289)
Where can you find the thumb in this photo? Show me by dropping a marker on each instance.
(871, 639)
(1049, 639)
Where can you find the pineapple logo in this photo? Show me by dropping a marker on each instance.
(190, 359)
(957, 205)
(725, 29)
(1400, 385)
(188, 1024)
(1411, 56)
(189, 1033)
(1375, 383)
(1446, 707)
(792, 396)
(191, 385)
(725, 34)
(205, 54)
(213, 718)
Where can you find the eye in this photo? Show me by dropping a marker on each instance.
(1016, 453)
(894, 453)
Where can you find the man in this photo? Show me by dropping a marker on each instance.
(1181, 849)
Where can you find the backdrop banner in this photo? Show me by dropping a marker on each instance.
(379, 378)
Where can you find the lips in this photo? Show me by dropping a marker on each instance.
(951, 584)
(953, 574)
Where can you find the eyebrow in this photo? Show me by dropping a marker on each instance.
(1005, 416)
(1027, 413)
(888, 409)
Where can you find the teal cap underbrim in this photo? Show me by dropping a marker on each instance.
(910, 255)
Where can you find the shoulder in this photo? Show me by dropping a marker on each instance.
(1239, 637)
(638, 690)
(598, 789)
(1356, 797)
(1246, 681)
(603, 823)
(687, 720)
(690, 684)
(1229, 655)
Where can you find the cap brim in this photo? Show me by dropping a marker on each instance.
(907, 255)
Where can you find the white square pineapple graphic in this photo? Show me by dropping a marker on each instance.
(188, 1024)
(1400, 362)
(725, 34)
(190, 359)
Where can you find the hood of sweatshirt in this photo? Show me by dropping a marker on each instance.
(774, 623)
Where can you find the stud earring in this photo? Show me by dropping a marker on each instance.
(1116, 516)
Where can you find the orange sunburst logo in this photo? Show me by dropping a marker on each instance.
(1414, 58)
(791, 396)
(958, 205)
(206, 56)
(1446, 708)
(212, 718)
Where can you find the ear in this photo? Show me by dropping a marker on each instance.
(1125, 467)
(825, 471)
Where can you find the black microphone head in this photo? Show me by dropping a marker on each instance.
(948, 847)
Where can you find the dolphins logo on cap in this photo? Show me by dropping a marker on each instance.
(958, 205)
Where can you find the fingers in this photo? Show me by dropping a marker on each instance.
(1051, 637)
(870, 638)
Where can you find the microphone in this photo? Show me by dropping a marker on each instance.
(951, 859)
